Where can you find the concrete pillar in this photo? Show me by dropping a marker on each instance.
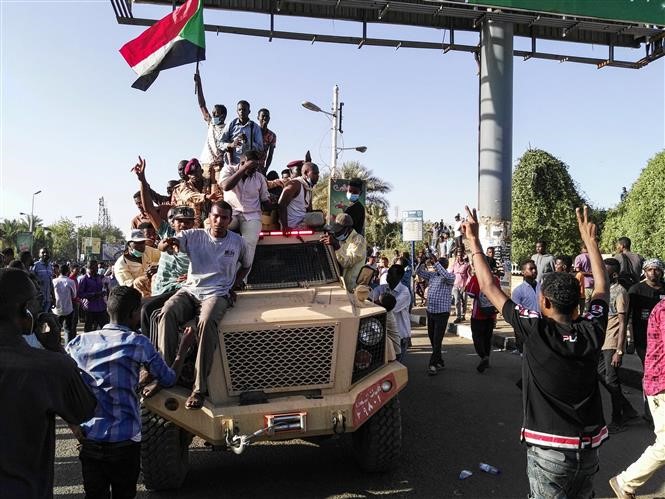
(495, 138)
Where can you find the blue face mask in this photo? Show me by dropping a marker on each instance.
(136, 253)
(342, 236)
(352, 197)
(216, 120)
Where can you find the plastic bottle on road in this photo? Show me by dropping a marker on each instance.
(465, 474)
(488, 468)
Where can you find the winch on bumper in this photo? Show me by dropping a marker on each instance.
(291, 416)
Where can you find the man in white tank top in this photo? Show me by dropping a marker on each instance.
(296, 198)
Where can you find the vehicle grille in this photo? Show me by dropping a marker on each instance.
(277, 360)
(291, 265)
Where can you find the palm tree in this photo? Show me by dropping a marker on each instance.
(376, 186)
(9, 229)
(36, 222)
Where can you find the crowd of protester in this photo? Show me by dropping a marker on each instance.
(192, 248)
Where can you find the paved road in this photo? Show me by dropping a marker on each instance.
(451, 422)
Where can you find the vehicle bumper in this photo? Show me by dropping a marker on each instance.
(330, 414)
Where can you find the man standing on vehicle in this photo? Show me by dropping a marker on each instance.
(296, 198)
(214, 254)
(211, 156)
(563, 413)
(350, 248)
(356, 208)
(269, 140)
(241, 135)
(245, 189)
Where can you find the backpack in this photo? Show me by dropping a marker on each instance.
(626, 277)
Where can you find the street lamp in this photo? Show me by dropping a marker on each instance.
(336, 124)
(32, 211)
(78, 247)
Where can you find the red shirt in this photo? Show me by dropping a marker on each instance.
(654, 362)
(480, 301)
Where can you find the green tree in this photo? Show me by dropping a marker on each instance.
(63, 234)
(641, 214)
(376, 186)
(544, 201)
(376, 224)
(9, 229)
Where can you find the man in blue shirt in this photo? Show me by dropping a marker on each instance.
(241, 135)
(439, 297)
(112, 357)
(44, 272)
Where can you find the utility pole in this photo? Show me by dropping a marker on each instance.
(335, 126)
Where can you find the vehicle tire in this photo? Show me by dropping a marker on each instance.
(164, 452)
(377, 444)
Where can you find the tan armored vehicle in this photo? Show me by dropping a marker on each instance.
(298, 357)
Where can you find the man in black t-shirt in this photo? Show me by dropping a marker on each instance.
(643, 297)
(563, 422)
(356, 208)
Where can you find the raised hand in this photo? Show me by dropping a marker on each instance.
(588, 229)
(470, 225)
(139, 169)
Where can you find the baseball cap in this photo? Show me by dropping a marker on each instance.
(342, 221)
(181, 212)
(136, 235)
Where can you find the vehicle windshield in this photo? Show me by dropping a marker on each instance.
(291, 265)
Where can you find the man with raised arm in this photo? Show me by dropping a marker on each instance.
(211, 155)
(563, 414)
(214, 254)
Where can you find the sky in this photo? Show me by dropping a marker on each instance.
(72, 126)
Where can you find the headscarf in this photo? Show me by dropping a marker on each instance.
(654, 263)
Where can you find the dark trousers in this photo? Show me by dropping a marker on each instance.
(481, 332)
(609, 378)
(110, 469)
(95, 320)
(436, 328)
(642, 353)
(148, 306)
(67, 325)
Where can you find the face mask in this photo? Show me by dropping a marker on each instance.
(342, 236)
(216, 120)
(352, 197)
(136, 253)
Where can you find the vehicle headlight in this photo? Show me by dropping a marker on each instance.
(371, 332)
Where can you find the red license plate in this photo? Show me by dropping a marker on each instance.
(371, 399)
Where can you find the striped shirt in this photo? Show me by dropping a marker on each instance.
(170, 266)
(439, 291)
(112, 357)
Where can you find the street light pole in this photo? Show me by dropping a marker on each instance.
(78, 229)
(32, 211)
(335, 127)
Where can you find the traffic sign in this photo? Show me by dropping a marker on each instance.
(412, 225)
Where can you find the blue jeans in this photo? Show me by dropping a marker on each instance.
(561, 474)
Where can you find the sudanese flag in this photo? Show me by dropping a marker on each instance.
(177, 39)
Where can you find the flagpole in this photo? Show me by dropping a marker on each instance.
(196, 73)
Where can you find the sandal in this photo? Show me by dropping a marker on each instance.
(194, 401)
